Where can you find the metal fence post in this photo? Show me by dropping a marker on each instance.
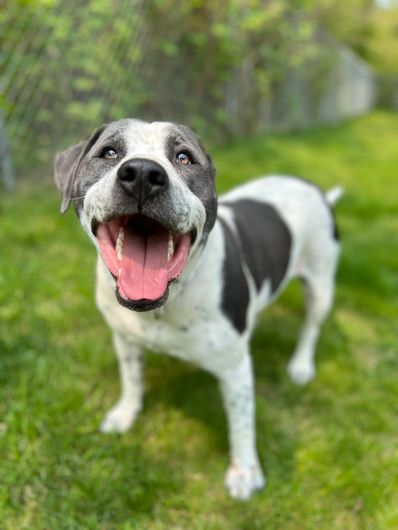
(7, 170)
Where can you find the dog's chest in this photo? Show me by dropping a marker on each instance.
(191, 329)
(193, 335)
(190, 336)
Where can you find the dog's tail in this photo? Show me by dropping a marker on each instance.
(333, 195)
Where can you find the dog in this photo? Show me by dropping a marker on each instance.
(184, 273)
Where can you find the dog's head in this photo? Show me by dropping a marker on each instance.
(146, 196)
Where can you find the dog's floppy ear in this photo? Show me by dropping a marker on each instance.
(67, 163)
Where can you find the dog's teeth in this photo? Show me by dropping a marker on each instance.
(119, 244)
(170, 247)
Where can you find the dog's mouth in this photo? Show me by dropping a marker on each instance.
(143, 256)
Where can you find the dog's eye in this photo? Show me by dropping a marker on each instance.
(184, 158)
(109, 153)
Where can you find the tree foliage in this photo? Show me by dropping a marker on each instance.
(66, 66)
(365, 27)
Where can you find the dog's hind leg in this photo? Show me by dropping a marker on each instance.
(244, 475)
(318, 293)
(123, 413)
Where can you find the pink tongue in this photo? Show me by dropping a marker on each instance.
(143, 269)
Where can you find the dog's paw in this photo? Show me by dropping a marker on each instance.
(300, 373)
(119, 419)
(242, 481)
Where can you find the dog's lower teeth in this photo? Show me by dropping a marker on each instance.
(119, 244)
(170, 248)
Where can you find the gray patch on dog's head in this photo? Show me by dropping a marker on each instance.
(199, 176)
(85, 177)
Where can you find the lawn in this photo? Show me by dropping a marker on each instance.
(329, 450)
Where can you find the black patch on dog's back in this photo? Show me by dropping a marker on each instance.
(235, 294)
(265, 240)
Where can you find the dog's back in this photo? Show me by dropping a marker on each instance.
(285, 226)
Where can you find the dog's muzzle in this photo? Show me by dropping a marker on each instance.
(142, 179)
(144, 254)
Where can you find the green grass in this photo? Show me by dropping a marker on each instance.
(329, 450)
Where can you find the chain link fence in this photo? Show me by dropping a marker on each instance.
(63, 71)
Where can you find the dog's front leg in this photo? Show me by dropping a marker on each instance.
(244, 475)
(123, 413)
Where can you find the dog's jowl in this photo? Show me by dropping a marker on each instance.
(183, 273)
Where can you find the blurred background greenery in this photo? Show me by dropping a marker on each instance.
(227, 68)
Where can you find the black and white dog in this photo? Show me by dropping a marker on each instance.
(182, 273)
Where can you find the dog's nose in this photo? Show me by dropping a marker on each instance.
(142, 178)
